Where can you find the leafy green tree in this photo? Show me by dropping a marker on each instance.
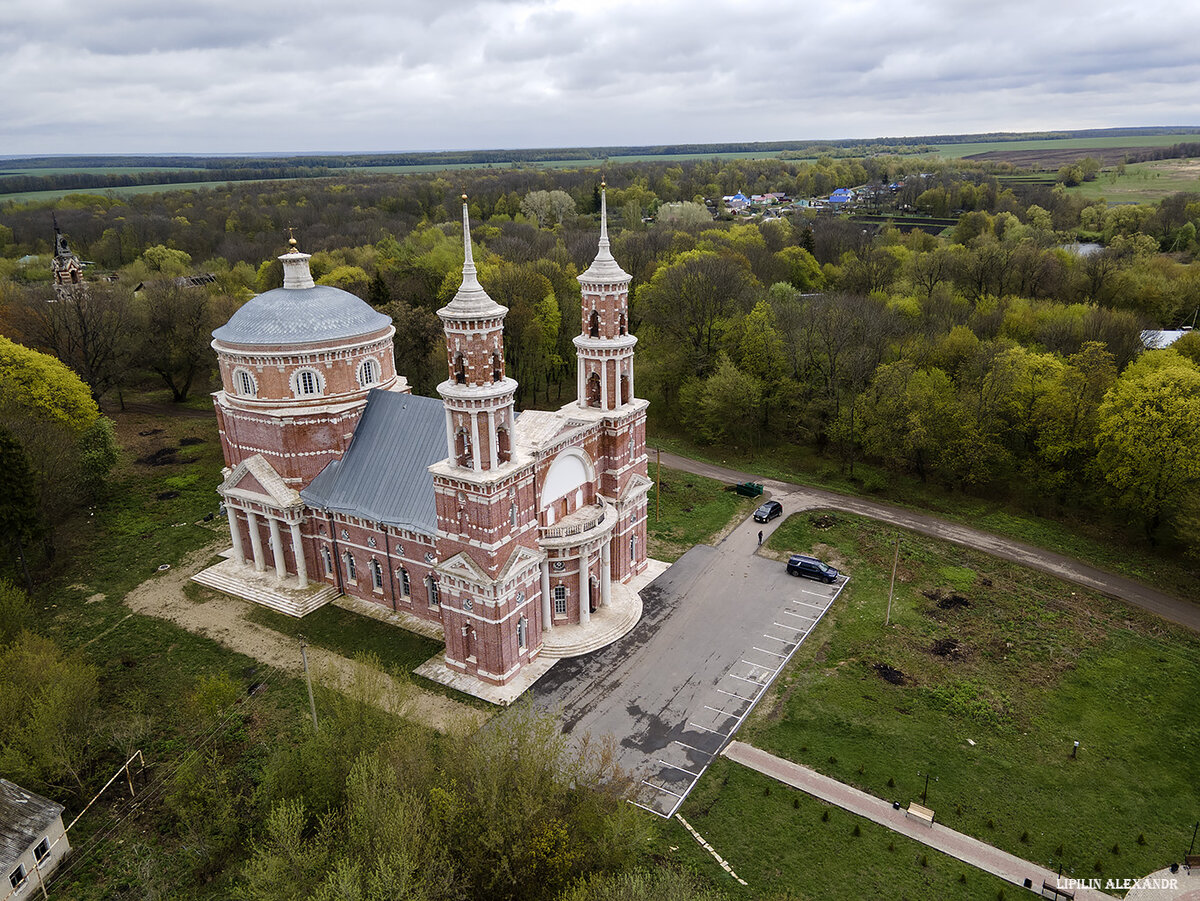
(1148, 435)
(48, 704)
(726, 407)
(167, 261)
(684, 214)
(20, 521)
(174, 325)
(15, 612)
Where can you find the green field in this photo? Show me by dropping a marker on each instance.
(989, 690)
(957, 151)
(97, 170)
(1143, 182)
(691, 510)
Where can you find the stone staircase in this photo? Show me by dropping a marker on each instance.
(606, 626)
(244, 582)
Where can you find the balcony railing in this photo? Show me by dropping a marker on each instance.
(577, 523)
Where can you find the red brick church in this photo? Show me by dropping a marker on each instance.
(518, 538)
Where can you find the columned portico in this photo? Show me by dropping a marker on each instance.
(235, 533)
(298, 553)
(277, 549)
(260, 563)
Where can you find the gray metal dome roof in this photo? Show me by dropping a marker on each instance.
(301, 316)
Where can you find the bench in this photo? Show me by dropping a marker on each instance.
(1056, 892)
(1191, 860)
(924, 814)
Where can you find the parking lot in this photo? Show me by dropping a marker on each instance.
(717, 628)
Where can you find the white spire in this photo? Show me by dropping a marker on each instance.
(471, 299)
(604, 268)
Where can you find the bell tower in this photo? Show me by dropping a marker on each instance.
(604, 347)
(478, 396)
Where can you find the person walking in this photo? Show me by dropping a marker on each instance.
(760, 537)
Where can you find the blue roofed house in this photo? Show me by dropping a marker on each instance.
(841, 195)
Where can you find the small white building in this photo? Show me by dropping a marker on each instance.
(32, 841)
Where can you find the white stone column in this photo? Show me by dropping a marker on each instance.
(604, 384)
(260, 564)
(631, 394)
(605, 575)
(580, 383)
(547, 606)
(239, 555)
(475, 440)
(298, 551)
(493, 443)
(277, 549)
(451, 451)
(585, 588)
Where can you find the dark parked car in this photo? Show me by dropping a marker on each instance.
(799, 565)
(768, 511)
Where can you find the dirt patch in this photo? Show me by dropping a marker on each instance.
(223, 619)
(889, 673)
(164, 456)
(96, 598)
(947, 601)
(823, 521)
(946, 647)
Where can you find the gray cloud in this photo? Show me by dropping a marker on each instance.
(225, 76)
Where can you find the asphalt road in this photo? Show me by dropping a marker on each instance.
(715, 630)
(801, 497)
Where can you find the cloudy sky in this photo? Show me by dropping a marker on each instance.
(248, 76)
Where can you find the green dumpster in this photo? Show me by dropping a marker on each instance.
(749, 489)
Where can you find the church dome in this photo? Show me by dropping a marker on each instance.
(301, 312)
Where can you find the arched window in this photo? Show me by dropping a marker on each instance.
(368, 372)
(624, 389)
(327, 558)
(405, 584)
(512, 514)
(351, 569)
(560, 600)
(503, 445)
(462, 447)
(460, 369)
(376, 575)
(497, 368)
(306, 383)
(593, 390)
(243, 383)
(522, 630)
(621, 324)
(435, 593)
(594, 325)
(633, 548)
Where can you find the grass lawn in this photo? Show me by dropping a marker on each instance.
(957, 151)
(989, 686)
(349, 633)
(1143, 182)
(686, 510)
(1093, 538)
(787, 844)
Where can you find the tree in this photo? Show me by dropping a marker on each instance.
(692, 301)
(544, 206)
(165, 260)
(48, 704)
(685, 214)
(174, 325)
(1148, 435)
(725, 407)
(89, 329)
(19, 519)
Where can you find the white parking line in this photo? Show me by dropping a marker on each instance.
(765, 651)
(814, 606)
(798, 616)
(644, 807)
(739, 697)
(674, 767)
(689, 747)
(663, 790)
(750, 703)
(783, 640)
(743, 679)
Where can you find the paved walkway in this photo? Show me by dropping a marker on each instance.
(955, 844)
(1185, 613)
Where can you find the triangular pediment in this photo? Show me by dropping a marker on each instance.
(637, 484)
(461, 566)
(254, 479)
(521, 559)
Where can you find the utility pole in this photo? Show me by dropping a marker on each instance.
(892, 590)
(657, 483)
(1192, 846)
(312, 705)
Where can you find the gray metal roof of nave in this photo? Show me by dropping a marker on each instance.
(384, 474)
(24, 818)
(301, 316)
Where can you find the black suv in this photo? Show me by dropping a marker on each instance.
(799, 565)
(768, 511)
